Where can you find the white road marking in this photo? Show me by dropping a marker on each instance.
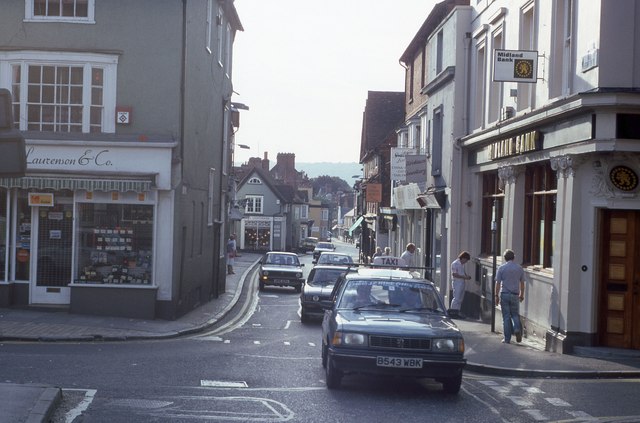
(256, 342)
(558, 402)
(533, 390)
(287, 325)
(223, 384)
(536, 415)
(583, 416)
(520, 401)
(89, 394)
(227, 341)
(287, 343)
(312, 344)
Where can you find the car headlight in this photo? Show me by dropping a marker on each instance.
(448, 345)
(265, 273)
(348, 339)
(298, 275)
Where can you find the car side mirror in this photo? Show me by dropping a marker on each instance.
(314, 261)
(301, 264)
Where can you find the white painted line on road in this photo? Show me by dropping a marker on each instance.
(583, 416)
(520, 401)
(288, 324)
(256, 342)
(533, 390)
(287, 343)
(89, 394)
(558, 402)
(312, 344)
(536, 415)
(517, 383)
(223, 384)
(256, 325)
(227, 341)
(489, 382)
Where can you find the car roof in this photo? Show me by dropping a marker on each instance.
(373, 273)
(331, 253)
(330, 266)
(284, 253)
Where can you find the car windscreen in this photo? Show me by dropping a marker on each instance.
(324, 277)
(334, 259)
(282, 259)
(325, 245)
(403, 296)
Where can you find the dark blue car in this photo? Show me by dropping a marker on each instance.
(386, 322)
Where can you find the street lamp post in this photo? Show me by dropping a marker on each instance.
(494, 231)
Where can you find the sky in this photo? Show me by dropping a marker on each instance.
(303, 67)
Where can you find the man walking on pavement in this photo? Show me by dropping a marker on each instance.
(231, 254)
(407, 256)
(458, 279)
(509, 291)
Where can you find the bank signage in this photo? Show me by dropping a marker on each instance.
(515, 66)
(513, 146)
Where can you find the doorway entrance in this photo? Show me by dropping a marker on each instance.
(53, 235)
(619, 309)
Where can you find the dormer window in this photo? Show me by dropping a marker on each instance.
(254, 181)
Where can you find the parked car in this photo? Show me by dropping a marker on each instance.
(281, 269)
(317, 288)
(339, 259)
(386, 322)
(308, 244)
(321, 247)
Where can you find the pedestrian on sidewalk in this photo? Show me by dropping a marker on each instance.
(387, 251)
(509, 291)
(459, 278)
(378, 253)
(231, 254)
(408, 254)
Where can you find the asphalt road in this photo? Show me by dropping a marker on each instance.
(263, 365)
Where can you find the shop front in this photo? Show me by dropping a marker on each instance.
(80, 240)
(263, 233)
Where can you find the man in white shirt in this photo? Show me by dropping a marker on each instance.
(407, 256)
(458, 279)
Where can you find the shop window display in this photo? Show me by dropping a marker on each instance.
(115, 244)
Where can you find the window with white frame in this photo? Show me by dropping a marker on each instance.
(221, 28)
(561, 48)
(325, 214)
(528, 41)
(227, 52)
(60, 10)
(439, 51)
(304, 211)
(254, 181)
(207, 41)
(495, 87)
(478, 91)
(254, 204)
(72, 92)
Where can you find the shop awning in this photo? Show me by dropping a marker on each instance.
(356, 224)
(58, 183)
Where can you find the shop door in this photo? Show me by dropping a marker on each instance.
(53, 244)
(620, 279)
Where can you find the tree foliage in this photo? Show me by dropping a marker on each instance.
(325, 184)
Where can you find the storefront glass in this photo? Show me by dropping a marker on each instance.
(23, 241)
(3, 234)
(55, 235)
(115, 243)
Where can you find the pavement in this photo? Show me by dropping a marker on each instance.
(484, 351)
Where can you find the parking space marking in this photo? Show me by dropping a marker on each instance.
(557, 402)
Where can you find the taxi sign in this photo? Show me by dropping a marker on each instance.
(389, 261)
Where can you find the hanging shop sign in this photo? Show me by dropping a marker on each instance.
(374, 193)
(515, 66)
(624, 178)
(520, 144)
(41, 199)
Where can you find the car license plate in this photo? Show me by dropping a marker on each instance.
(283, 281)
(403, 362)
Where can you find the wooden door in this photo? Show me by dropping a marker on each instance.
(619, 313)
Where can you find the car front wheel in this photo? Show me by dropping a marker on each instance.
(334, 376)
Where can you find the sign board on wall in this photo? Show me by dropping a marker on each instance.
(515, 66)
(41, 199)
(374, 193)
(399, 163)
(416, 168)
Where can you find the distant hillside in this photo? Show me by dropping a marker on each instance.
(341, 170)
